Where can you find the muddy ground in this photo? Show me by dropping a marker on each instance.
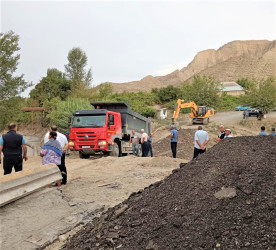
(224, 199)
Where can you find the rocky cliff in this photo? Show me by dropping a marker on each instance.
(234, 60)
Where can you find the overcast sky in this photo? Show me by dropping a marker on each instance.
(128, 40)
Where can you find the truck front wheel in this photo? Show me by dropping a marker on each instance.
(115, 150)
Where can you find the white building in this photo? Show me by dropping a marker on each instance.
(232, 88)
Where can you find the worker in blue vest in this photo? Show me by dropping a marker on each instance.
(11, 144)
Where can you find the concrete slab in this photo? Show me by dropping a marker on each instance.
(41, 218)
(17, 185)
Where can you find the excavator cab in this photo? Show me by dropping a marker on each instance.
(202, 110)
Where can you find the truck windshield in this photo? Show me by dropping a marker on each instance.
(85, 121)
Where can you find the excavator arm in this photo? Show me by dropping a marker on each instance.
(181, 105)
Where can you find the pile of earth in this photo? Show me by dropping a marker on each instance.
(224, 199)
(185, 145)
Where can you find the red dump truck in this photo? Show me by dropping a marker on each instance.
(105, 129)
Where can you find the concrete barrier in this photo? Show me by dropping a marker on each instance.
(20, 184)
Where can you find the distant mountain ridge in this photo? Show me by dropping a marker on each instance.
(234, 60)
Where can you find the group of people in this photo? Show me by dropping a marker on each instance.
(145, 141)
(224, 133)
(262, 132)
(53, 151)
(201, 139)
(12, 144)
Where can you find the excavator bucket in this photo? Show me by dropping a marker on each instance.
(174, 124)
(17, 185)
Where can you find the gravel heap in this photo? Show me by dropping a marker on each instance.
(224, 199)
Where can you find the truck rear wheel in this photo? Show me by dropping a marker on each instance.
(115, 150)
(83, 156)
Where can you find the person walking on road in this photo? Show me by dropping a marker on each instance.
(11, 144)
(244, 114)
(174, 138)
(134, 140)
(272, 131)
(144, 142)
(228, 133)
(61, 138)
(262, 131)
(201, 139)
(150, 145)
(221, 134)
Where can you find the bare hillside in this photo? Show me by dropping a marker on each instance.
(234, 60)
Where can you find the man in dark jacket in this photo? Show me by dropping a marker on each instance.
(11, 144)
(221, 134)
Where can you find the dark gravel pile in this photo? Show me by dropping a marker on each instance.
(182, 212)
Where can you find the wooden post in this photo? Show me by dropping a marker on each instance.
(32, 120)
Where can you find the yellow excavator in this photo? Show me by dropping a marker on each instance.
(199, 114)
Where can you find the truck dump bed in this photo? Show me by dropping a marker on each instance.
(130, 119)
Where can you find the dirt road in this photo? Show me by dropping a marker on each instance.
(94, 185)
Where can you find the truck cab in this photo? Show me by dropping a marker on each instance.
(94, 131)
(106, 129)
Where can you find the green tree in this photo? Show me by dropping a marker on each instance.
(75, 69)
(167, 94)
(262, 95)
(246, 83)
(228, 102)
(105, 90)
(10, 111)
(61, 110)
(55, 84)
(203, 91)
(10, 85)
